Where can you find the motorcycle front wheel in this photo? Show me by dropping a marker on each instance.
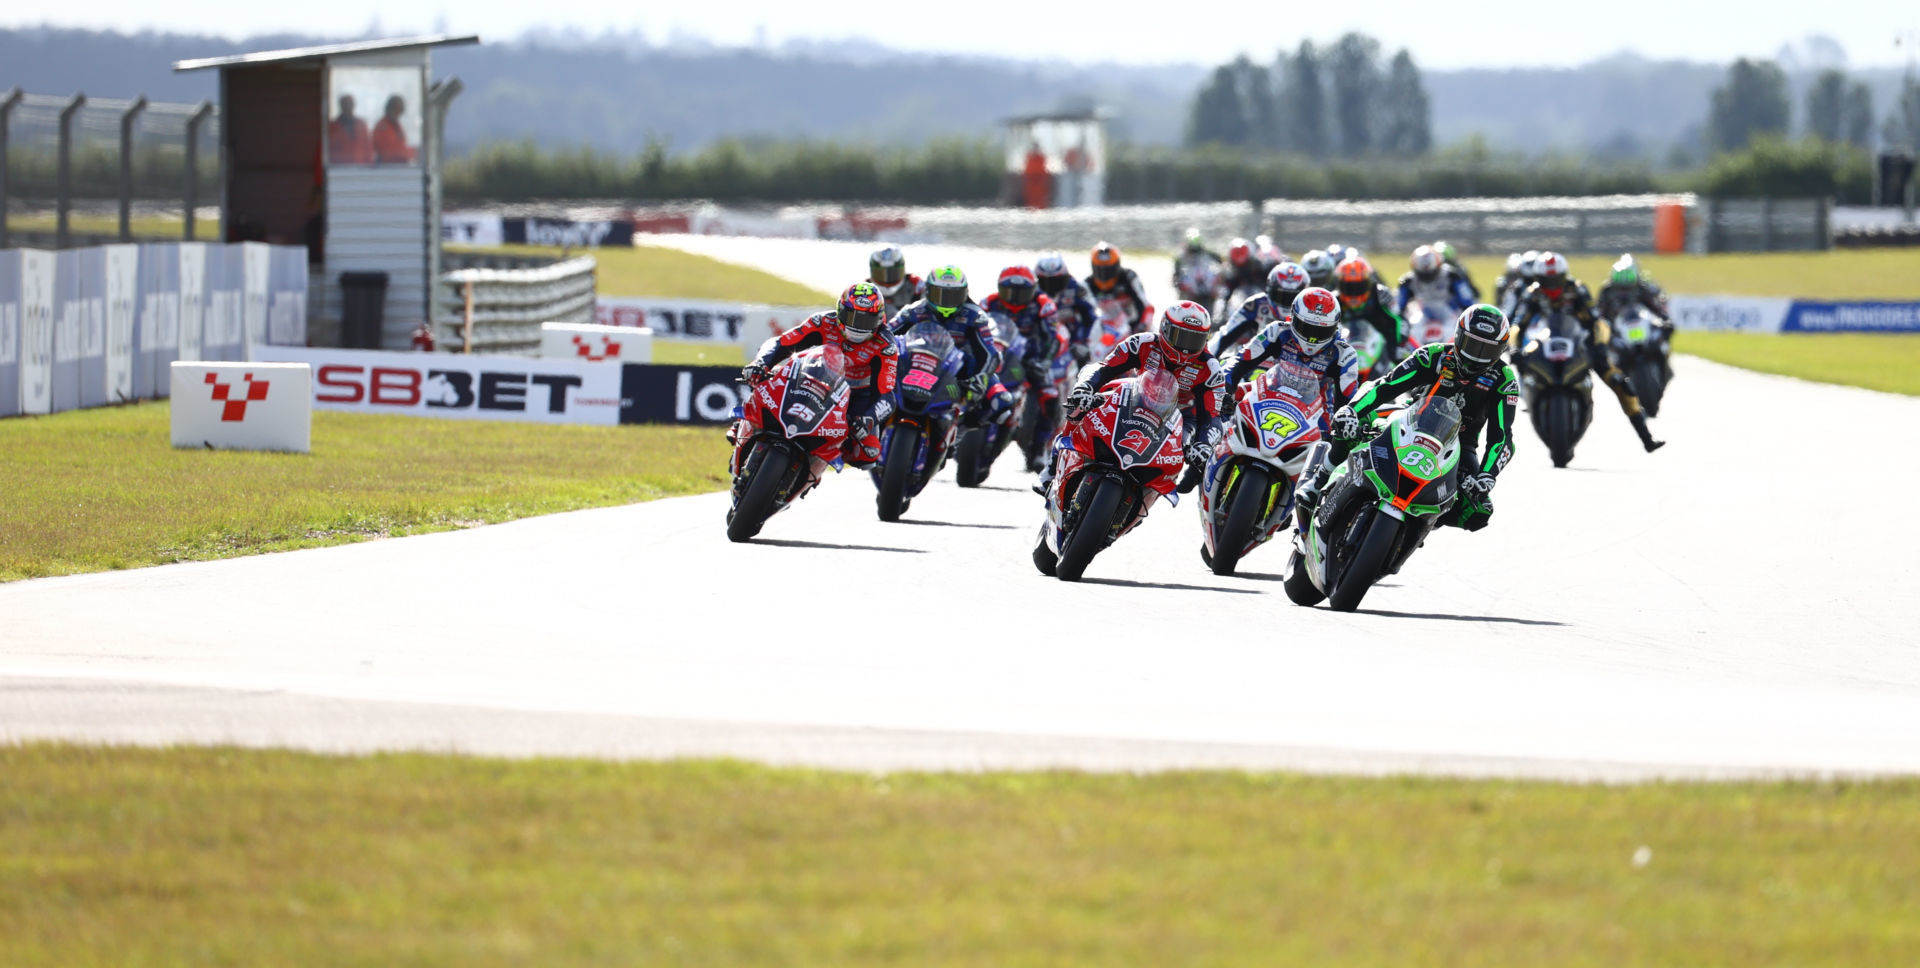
(1090, 531)
(970, 457)
(898, 472)
(1245, 510)
(759, 499)
(1367, 566)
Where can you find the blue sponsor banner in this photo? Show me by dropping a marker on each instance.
(1852, 317)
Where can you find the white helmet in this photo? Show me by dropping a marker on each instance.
(1530, 264)
(1426, 262)
(887, 269)
(1051, 271)
(1319, 266)
(1315, 319)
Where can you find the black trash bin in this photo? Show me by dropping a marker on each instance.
(363, 308)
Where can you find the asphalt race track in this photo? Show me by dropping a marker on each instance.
(1741, 603)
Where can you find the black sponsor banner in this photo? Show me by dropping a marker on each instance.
(652, 393)
(566, 232)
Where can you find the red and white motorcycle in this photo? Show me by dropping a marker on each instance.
(1246, 496)
(1121, 456)
(791, 429)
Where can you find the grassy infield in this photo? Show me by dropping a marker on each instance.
(247, 857)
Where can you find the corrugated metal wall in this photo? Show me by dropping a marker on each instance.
(377, 222)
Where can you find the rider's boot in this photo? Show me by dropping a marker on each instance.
(1646, 436)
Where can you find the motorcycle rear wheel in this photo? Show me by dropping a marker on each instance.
(1090, 531)
(1244, 512)
(1367, 566)
(901, 451)
(1558, 424)
(758, 500)
(1648, 382)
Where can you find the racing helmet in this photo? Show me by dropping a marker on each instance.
(1551, 270)
(1529, 264)
(1514, 261)
(1626, 272)
(1285, 283)
(1447, 252)
(1426, 262)
(1050, 270)
(1315, 320)
(861, 311)
(1195, 241)
(1017, 287)
(1356, 282)
(1319, 266)
(1238, 252)
(1337, 252)
(887, 269)
(947, 290)
(1479, 338)
(1184, 327)
(1106, 266)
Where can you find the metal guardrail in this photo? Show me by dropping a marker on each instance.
(500, 310)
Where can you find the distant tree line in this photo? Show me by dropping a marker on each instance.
(1336, 102)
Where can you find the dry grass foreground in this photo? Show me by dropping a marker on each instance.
(102, 489)
(220, 856)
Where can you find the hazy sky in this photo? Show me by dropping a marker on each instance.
(1439, 34)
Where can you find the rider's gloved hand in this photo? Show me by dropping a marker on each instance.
(1200, 452)
(1081, 399)
(1481, 484)
(753, 373)
(979, 384)
(1345, 424)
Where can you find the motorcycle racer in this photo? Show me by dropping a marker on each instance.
(948, 306)
(1439, 288)
(1306, 346)
(1319, 266)
(1071, 304)
(1178, 347)
(1019, 297)
(872, 361)
(1627, 287)
(1452, 258)
(1286, 281)
(1112, 280)
(1244, 270)
(887, 270)
(1471, 373)
(1362, 300)
(1555, 289)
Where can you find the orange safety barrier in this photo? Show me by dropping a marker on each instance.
(1669, 227)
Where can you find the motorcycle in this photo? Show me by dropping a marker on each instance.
(789, 430)
(1557, 380)
(1109, 329)
(1378, 507)
(979, 447)
(1246, 496)
(1123, 454)
(1424, 328)
(1640, 349)
(916, 442)
(1198, 279)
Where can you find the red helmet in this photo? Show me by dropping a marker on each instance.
(1184, 327)
(1106, 266)
(1316, 319)
(1356, 282)
(1239, 252)
(1017, 286)
(1551, 270)
(861, 311)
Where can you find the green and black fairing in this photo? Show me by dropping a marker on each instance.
(1486, 400)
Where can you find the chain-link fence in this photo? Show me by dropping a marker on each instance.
(121, 156)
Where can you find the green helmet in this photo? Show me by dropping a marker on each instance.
(1626, 272)
(1195, 241)
(947, 289)
(1447, 252)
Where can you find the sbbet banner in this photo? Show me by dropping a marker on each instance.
(458, 386)
(700, 321)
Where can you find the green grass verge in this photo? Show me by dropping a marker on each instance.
(1841, 274)
(1877, 361)
(219, 856)
(678, 353)
(161, 228)
(647, 270)
(102, 489)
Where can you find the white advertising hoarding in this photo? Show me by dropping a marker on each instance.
(458, 386)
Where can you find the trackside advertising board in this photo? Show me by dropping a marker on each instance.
(458, 386)
(1755, 315)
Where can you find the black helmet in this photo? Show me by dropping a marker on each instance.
(1479, 338)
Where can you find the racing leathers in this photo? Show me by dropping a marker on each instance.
(1253, 317)
(872, 370)
(1073, 309)
(1465, 276)
(1038, 323)
(1443, 296)
(1378, 313)
(1574, 300)
(1193, 257)
(1249, 276)
(1486, 400)
(1129, 293)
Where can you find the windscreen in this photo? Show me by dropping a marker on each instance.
(1436, 417)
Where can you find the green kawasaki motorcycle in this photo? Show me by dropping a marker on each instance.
(1378, 507)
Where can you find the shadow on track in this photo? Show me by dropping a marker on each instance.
(787, 543)
(958, 524)
(1443, 617)
(1124, 583)
(1003, 487)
